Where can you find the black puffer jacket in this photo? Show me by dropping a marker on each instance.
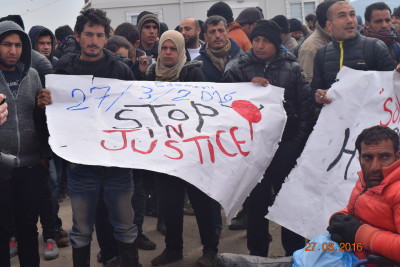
(284, 71)
(191, 72)
(352, 53)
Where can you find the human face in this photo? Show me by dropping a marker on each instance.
(10, 52)
(148, 35)
(311, 25)
(92, 41)
(122, 51)
(380, 21)
(263, 48)
(43, 45)
(248, 28)
(373, 158)
(216, 36)
(190, 33)
(169, 53)
(297, 34)
(343, 24)
(396, 22)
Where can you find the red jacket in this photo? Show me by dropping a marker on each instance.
(379, 209)
(239, 36)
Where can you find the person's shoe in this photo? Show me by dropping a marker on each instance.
(128, 254)
(166, 257)
(50, 250)
(61, 237)
(239, 222)
(143, 242)
(113, 262)
(13, 247)
(209, 259)
(81, 256)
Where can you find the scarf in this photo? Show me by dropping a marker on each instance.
(220, 57)
(166, 73)
(388, 37)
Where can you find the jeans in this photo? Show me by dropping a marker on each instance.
(19, 210)
(84, 185)
(104, 229)
(172, 194)
(263, 196)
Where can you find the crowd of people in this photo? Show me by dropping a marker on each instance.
(302, 59)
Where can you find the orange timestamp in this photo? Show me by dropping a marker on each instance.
(330, 246)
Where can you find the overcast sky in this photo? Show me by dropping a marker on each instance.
(48, 13)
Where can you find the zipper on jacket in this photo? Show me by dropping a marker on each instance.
(341, 54)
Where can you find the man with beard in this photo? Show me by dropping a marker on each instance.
(219, 52)
(86, 182)
(396, 18)
(190, 29)
(378, 24)
(372, 215)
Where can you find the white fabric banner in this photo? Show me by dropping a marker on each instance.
(218, 137)
(326, 171)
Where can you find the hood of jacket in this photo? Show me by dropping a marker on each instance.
(34, 34)
(9, 27)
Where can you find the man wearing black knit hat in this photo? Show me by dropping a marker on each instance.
(234, 30)
(287, 40)
(265, 63)
(296, 30)
(149, 27)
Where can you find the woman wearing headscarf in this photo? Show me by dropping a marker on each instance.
(171, 66)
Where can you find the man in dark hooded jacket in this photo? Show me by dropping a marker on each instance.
(267, 63)
(43, 41)
(24, 135)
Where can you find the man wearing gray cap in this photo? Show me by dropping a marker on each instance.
(247, 19)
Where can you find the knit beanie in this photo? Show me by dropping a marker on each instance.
(146, 19)
(282, 21)
(396, 12)
(14, 18)
(295, 25)
(268, 29)
(249, 15)
(221, 9)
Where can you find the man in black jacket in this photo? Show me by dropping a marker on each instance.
(43, 41)
(348, 48)
(85, 182)
(267, 63)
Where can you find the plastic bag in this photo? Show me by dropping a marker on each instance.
(322, 251)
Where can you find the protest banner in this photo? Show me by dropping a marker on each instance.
(218, 137)
(326, 171)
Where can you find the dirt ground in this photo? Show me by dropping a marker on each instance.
(230, 241)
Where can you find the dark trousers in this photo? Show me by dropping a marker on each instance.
(46, 210)
(19, 210)
(104, 229)
(263, 196)
(172, 194)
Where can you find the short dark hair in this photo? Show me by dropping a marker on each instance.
(377, 134)
(310, 17)
(62, 32)
(92, 16)
(214, 20)
(322, 11)
(129, 31)
(375, 6)
(46, 33)
(116, 42)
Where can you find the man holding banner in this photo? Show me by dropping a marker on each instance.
(267, 63)
(348, 48)
(85, 181)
